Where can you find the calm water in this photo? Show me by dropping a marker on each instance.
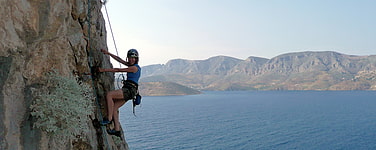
(254, 120)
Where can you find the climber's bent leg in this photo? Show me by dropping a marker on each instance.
(111, 97)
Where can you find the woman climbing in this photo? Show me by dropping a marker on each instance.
(117, 98)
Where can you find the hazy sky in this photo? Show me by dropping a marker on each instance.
(198, 29)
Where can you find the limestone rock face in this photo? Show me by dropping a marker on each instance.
(36, 37)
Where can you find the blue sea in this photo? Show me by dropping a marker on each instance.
(247, 120)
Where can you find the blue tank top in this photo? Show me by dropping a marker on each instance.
(134, 76)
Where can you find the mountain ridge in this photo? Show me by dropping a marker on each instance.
(309, 70)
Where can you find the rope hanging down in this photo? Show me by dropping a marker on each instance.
(112, 35)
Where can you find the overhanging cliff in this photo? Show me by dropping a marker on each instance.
(37, 37)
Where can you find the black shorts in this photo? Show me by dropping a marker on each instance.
(129, 90)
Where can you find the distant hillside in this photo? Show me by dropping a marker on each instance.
(218, 65)
(292, 71)
(165, 88)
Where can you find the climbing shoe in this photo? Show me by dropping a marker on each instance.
(114, 132)
(105, 121)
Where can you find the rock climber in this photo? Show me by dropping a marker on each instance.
(117, 98)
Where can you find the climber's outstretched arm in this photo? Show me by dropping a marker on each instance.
(117, 58)
(129, 69)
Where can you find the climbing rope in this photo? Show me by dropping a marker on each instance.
(113, 38)
(112, 33)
